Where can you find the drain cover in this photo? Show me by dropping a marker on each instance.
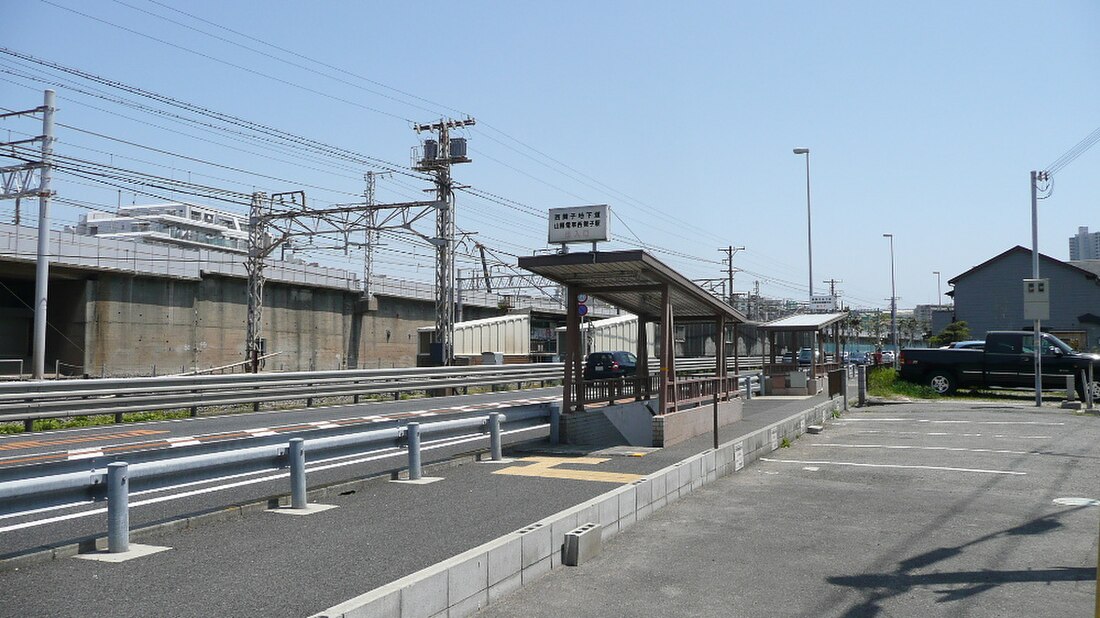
(1077, 502)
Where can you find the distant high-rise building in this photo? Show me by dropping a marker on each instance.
(1084, 246)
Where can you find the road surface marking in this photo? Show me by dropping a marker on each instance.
(547, 467)
(946, 422)
(925, 448)
(948, 433)
(10, 446)
(897, 466)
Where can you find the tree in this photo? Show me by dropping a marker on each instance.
(955, 331)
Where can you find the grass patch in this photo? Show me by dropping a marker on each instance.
(884, 382)
(74, 422)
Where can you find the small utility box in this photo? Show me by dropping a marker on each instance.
(1037, 299)
(492, 358)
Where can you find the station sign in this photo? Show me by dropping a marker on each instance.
(579, 224)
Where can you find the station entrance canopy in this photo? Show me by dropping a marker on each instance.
(643, 285)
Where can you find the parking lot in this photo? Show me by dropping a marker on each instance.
(953, 509)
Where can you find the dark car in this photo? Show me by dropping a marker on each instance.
(859, 358)
(603, 365)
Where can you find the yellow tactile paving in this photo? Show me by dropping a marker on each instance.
(547, 467)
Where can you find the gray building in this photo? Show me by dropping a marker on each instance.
(990, 297)
(1084, 246)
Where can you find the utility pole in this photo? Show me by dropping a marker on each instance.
(438, 156)
(1036, 178)
(832, 286)
(16, 184)
(258, 249)
(370, 237)
(730, 251)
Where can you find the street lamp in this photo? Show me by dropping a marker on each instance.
(810, 238)
(809, 235)
(893, 302)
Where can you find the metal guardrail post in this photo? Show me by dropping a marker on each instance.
(297, 455)
(494, 436)
(748, 387)
(760, 379)
(555, 423)
(118, 508)
(861, 384)
(413, 435)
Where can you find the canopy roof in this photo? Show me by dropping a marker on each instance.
(631, 280)
(804, 322)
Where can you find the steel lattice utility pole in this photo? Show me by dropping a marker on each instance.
(258, 249)
(438, 156)
(370, 238)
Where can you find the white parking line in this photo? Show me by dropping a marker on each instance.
(948, 433)
(946, 422)
(895, 466)
(924, 448)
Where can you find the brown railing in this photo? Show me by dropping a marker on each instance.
(614, 389)
(687, 392)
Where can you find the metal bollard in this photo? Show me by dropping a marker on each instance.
(861, 382)
(844, 391)
(412, 432)
(1089, 386)
(748, 387)
(763, 383)
(494, 436)
(555, 423)
(118, 508)
(297, 456)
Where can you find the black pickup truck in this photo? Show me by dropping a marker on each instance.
(1007, 361)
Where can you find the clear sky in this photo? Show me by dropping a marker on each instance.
(923, 119)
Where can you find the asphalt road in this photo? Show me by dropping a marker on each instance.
(902, 510)
(66, 524)
(264, 563)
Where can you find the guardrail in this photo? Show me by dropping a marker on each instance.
(119, 478)
(29, 401)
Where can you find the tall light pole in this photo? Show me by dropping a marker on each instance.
(809, 235)
(893, 301)
(939, 294)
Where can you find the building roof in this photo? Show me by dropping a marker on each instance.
(805, 322)
(1024, 250)
(631, 280)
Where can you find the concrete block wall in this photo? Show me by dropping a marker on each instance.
(471, 580)
(590, 427)
(673, 428)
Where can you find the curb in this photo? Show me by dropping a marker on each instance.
(470, 581)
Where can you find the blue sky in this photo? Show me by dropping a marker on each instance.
(923, 119)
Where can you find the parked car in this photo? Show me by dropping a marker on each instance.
(887, 357)
(603, 365)
(1006, 360)
(976, 344)
(806, 354)
(859, 358)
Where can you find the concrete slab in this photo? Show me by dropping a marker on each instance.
(136, 551)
